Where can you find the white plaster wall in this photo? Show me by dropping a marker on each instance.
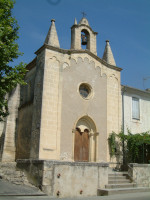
(136, 126)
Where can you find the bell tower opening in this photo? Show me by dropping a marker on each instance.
(85, 38)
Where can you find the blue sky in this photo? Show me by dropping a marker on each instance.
(125, 23)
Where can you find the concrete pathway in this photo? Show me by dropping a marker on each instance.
(9, 191)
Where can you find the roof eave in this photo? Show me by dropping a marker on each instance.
(73, 51)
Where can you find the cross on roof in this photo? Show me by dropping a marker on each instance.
(84, 14)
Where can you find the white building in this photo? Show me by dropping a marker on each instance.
(135, 110)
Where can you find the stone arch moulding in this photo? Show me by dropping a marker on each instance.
(89, 61)
(99, 70)
(53, 59)
(104, 75)
(88, 121)
(82, 125)
(65, 66)
(113, 76)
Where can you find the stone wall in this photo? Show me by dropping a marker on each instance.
(49, 130)
(8, 139)
(66, 179)
(24, 132)
(25, 112)
(140, 174)
(27, 91)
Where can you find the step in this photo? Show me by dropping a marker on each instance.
(106, 192)
(117, 177)
(118, 174)
(127, 185)
(118, 181)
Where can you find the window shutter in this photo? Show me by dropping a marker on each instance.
(135, 108)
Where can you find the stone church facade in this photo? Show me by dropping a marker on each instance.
(56, 135)
(70, 105)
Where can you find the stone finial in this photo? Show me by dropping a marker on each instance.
(52, 38)
(108, 55)
(75, 21)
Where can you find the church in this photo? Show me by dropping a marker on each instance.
(71, 102)
(59, 122)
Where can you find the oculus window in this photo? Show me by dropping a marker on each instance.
(135, 108)
(85, 90)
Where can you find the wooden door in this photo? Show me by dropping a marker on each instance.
(81, 146)
(85, 146)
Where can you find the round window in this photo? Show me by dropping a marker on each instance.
(85, 90)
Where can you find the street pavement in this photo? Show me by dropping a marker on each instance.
(9, 191)
(7, 188)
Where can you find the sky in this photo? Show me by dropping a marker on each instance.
(125, 23)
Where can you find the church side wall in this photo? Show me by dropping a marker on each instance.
(37, 106)
(25, 116)
(8, 146)
(27, 91)
(24, 132)
(2, 123)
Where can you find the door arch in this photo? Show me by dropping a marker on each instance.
(85, 140)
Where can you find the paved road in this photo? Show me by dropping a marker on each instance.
(7, 188)
(18, 192)
(137, 196)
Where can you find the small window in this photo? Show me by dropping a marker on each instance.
(85, 90)
(135, 108)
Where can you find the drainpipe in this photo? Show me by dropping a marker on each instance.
(123, 127)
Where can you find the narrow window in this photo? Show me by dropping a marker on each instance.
(135, 108)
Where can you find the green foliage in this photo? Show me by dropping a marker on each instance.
(136, 146)
(112, 144)
(10, 76)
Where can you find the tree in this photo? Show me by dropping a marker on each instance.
(10, 76)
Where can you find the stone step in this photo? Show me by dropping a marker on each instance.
(127, 185)
(106, 192)
(118, 173)
(117, 177)
(118, 181)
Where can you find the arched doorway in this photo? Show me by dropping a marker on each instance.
(85, 140)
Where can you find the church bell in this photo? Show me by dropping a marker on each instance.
(84, 39)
